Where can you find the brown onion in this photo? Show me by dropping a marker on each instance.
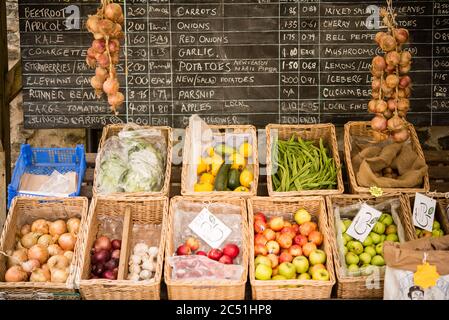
(395, 123)
(375, 94)
(54, 249)
(392, 81)
(17, 257)
(67, 241)
(388, 43)
(99, 45)
(59, 275)
(31, 265)
(117, 31)
(392, 104)
(403, 104)
(379, 36)
(381, 106)
(375, 84)
(40, 275)
(379, 123)
(387, 114)
(376, 73)
(103, 59)
(38, 252)
(115, 58)
(379, 63)
(16, 274)
(402, 114)
(105, 27)
(392, 58)
(405, 69)
(401, 35)
(100, 73)
(45, 240)
(59, 261)
(40, 225)
(92, 23)
(401, 135)
(69, 255)
(30, 239)
(406, 58)
(96, 83)
(113, 11)
(73, 225)
(386, 90)
(58, 227)
(110, 86)
(116, 99)
(98, 36)
(372, 106)
(91, 62)
(26, 228)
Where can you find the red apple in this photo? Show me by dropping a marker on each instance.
(259, 226)
(276, 223)
(308, 248)
(289, 231)
(260, 249)
(183, 250)
(231, 250)
(269, 234)
(273, 247)
(260, 239)
(285, 257)
(193, 243)
(300, 240)
(215, 254)
(260, 216)
(201, 253)
(285, 241)
(287, 224)
(307, 227)
(295, 227)
(295, 250)
(274, 260)
(316, 237)
(225, 259)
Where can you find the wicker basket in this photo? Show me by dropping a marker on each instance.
(143, 211)
(219, 130)
(363, 129)
(291, 289)
(359, 287)
(113, 130)
(26, 210)
(206, 290)
(306, 132)
(440, 213)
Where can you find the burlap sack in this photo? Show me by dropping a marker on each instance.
(400, 156)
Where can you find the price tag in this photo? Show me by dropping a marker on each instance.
(363, 222)
(424, 212)
(209, 228)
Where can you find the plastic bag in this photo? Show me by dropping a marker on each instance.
(110, 226)
(196, 267)
(133, 161)
(389, 206)
(58, 184)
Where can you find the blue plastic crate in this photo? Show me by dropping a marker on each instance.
(44, 161)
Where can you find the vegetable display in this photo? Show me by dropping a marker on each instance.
(284, 250)
(143, 262)
(301, 165)
(103, 56)
(361, 255)
(391, 84)
(43, 251)
(105, 258)
(225, 168)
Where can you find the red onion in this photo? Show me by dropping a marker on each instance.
(101, 256)
(111, 264)
(379, 123)
(110, 87)
(99, 45)
(109, 274)
(116, 244)
(401, 35)
(404, 82)
(115, 254)
(392, 105)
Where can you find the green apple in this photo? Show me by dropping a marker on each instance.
(317, 256)
(392, 237)
(353, 268)
(351, 258)
(436, 225)
(343, 239)
(304, 276)
(260, 259)
(378, 261)
(365, 258)
(371, 250)
(375, 237)
(320, 274)
(391, 229)
(347, 223)
(418, 231)
(278, 277)
(287, 269)
(368, 241)
(302, 216)
(383, 237)
(263, 272)
(437, 233)
(366, 269)
(355, 247)
(345, 250)
(342, 227)
(347, 237)
(386, 219)
(301, 264)
(379, 228)
(380, 248)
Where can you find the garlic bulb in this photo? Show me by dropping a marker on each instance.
(152, 251)
(148, 265)
(140, 248)
(134, 268)
(135, 259)
(145, 274)
(133, 277)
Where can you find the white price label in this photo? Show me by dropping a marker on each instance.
(424, 212)
(363, 222)
(209, 228)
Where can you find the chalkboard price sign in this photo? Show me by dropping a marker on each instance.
(231, 61)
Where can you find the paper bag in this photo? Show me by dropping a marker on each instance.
(402, 263)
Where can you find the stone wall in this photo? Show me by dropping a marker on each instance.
(19, 135)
